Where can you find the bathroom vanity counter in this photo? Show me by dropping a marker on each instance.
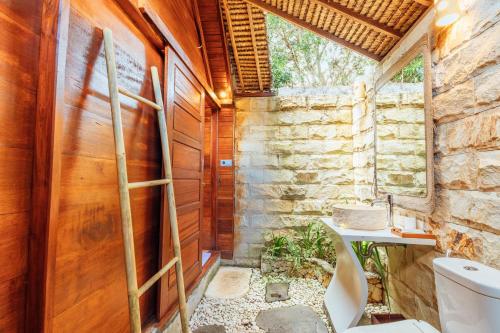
(347, 294)
(379, 236)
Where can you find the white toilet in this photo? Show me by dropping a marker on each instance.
(468, 295)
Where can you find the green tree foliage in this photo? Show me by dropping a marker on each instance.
(300, 58)
(411, 73)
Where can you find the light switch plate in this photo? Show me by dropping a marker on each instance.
(226, 163)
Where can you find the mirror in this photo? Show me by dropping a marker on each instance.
(403, 130)
(400, 132)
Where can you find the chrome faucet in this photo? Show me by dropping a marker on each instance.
(389, 203)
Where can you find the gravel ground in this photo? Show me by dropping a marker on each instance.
(238, 315)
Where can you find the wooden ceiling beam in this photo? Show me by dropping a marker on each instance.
(254, 44)
(233, 42)
(373, 24)
(303, 24)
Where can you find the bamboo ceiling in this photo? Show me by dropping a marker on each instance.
(369, 27)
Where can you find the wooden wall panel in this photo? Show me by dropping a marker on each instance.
(215, 45)
(19, 41)
(225, 189)
(90, 292)
(184, 95)
(178, 16)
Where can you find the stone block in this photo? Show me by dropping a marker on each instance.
(336, 177)
(294, 103)
(458, 171)
(278, 206)
(277, 176)
(277, 292)
(469, 207)
(308, 207)
(292, 132)
(264, 104)
(294, 162)
(481, 131)
(408, 115)
(489, 170)
(487, 87)
(320, 162)
(454, 103)
(322, 102)
(401, 162)
(307, 177)
(469, 59)
(268, 161)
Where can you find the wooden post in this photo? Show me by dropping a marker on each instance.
(126, 215)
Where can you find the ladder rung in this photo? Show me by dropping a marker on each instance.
(148, 183)
(157, 276)
(139, 98)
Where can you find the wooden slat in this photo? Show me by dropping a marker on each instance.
(141, 99)
(148, 183)
(353, 15)
(157, 276)
(254, 45)
(302, 24)
(426, 3)
(233, 43)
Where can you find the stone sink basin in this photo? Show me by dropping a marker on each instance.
(360, 217)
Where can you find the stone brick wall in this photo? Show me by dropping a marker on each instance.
(466, 102)
(293, 162)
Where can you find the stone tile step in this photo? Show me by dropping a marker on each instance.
(292, 319)
(210, 329)
(229, 282)
(277, 291)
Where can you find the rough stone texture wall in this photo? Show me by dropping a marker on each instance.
(293, 161)
(401, 161)
(466, 89)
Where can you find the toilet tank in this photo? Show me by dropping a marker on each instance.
(468, 295)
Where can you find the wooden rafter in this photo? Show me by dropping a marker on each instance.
(233, 42)
(201, 36)
(303, 24)
(426, 3)
(254, 44)
(351, 14)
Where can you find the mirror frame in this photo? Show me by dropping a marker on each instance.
(421, 204)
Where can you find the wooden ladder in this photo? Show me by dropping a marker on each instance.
(134, 292)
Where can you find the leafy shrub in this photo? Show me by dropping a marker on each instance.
(310, 241)
(361, 249)
(277, 245)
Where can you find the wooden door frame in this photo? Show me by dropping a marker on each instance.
(215, 179)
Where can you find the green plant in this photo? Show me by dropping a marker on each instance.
(310, 241)
(361, 249)
(277, 245)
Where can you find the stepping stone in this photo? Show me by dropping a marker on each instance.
(210, 329)
(230, 282)
(293, 319)
(277, 292)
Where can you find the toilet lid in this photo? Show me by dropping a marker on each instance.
(406, 326)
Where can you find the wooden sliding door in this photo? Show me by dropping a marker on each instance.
(185, 119)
